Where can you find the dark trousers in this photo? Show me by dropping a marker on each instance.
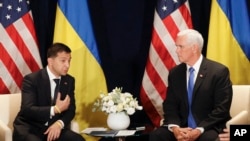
(163, 134)
(66, 135)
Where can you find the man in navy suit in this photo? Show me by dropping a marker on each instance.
(209, 104)
(45, 115)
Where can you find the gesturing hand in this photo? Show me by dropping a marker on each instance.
(62, 105)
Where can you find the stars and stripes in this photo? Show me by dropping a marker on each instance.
(170, 17)
(18, 45)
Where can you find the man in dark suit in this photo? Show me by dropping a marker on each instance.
(198, 102)
(46, 109)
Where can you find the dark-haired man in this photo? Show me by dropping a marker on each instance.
(48, 105)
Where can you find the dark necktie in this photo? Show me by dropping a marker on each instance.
(191, 122)
(57, 81)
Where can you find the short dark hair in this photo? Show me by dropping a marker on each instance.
(57, 47)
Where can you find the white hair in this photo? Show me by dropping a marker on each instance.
(193, 37)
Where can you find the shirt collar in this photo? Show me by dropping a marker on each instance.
(51, 75)
(197, 64)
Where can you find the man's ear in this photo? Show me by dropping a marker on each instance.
(195, 47)
(49, 60)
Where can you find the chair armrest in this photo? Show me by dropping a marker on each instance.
(74, 126)
(5, 132)
(241, 118)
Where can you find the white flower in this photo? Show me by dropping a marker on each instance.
(119, 107)
(130, 110)
(116, 101)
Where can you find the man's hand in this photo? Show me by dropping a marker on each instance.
(194, 134)
(53, 132)
(62, 105)
(224, 136)
(181, 134)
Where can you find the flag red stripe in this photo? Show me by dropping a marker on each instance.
(3, 88)
(150, 109)
(12, 68)
(186, 15)
(162, 51)
(171, 26)
(20, 44)
(156, 79)
(30, 25)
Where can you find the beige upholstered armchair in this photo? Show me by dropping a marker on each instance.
(9, 107)
(240, 105)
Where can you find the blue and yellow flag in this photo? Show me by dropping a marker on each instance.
(229, 38)
(73, 28)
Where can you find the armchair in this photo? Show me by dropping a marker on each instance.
(9, 105)
(240, 107)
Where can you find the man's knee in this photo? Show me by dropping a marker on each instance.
(210, 135)
(79, 138)
(160, 134)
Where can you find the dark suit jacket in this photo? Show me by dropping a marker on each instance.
(36, 103)
(211, 99)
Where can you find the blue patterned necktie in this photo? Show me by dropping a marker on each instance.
(191, 122)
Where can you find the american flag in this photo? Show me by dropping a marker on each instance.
(19, 53)
(170, 17)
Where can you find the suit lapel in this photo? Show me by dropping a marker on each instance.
(46, 84)
(183, 83)
(64, 85)
(200, 76)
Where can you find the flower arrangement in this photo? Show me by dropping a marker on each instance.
(116, 101)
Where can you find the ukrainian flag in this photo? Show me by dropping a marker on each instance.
(229, 38)
(73, 28)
